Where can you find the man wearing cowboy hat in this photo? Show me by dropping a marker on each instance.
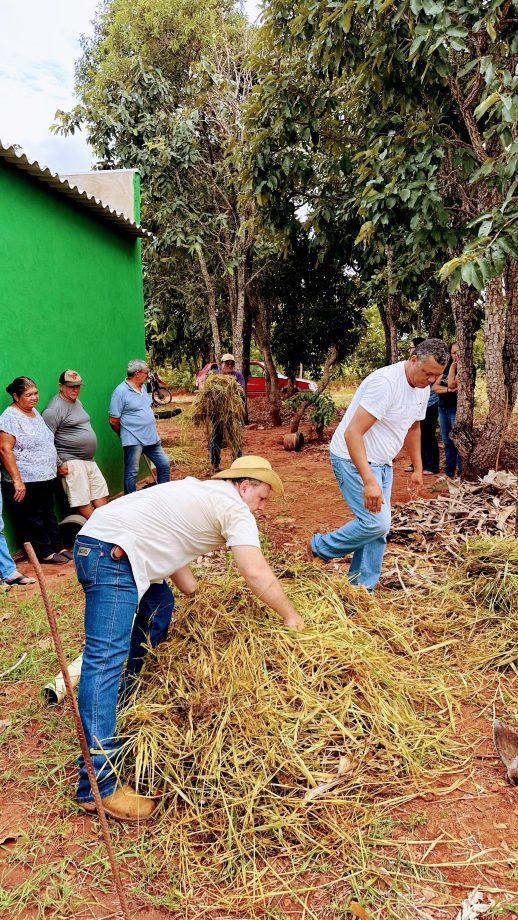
(123, 555)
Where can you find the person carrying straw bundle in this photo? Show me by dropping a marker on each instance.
(123, 555)
(221, 405)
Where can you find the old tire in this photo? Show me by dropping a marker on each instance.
(293, 441)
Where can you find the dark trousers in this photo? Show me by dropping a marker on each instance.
(215, 445)
(34, 519)
(429, 443)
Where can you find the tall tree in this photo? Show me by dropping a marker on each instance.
(403, 116)
(161, 86)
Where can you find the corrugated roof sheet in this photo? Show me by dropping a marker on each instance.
(64, 187)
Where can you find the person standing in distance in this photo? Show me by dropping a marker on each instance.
(227, 368)
(132, 419)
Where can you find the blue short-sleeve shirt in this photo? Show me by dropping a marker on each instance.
(137, 422)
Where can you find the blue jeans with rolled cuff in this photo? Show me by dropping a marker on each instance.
(155, 453)
(365, 536)
(117, 628)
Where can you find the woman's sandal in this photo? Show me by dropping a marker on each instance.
(68, 554)
(21, 581)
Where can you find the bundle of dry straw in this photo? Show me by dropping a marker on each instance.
(265, 741)
(221, 403)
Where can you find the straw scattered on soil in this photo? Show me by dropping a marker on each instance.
(270, 744)
(486, 507)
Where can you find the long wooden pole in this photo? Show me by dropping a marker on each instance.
(80, 730)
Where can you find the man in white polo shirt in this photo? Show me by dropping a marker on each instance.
(123, 555)
(384, 414)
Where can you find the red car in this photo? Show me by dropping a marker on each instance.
(256, 385)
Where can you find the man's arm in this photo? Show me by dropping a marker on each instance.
(184, 580)
(115, 424)
(413, 447)
(52, 420)
(259, 577)
(357, 427)
(115, 411)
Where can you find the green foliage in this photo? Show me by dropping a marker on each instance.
(182, 376)
(370, 351)
(322, 408)
(396, 115)
(160, 86)
(314, 305)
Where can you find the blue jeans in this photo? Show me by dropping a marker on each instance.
(7, 566)
(452, 460)
(117, 627)
(366, 536)
(132, 455)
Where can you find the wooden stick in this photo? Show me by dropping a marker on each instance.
(80, 730)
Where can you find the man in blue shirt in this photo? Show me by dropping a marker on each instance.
(132, 419)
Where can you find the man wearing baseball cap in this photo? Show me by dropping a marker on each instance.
(227, 368)
(76, 443)
(123, 555)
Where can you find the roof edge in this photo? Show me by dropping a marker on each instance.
(64, 187)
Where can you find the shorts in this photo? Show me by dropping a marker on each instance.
(84, 483)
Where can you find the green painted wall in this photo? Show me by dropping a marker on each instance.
(70, 296)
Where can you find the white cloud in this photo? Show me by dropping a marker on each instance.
(39, 44)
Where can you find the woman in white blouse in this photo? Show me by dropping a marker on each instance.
(29, 466)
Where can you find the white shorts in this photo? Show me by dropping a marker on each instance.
(84, 482)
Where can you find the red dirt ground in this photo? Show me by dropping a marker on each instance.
(468, 833)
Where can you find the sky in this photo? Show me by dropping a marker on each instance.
(39, 44)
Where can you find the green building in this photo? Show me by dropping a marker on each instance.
(71, 286)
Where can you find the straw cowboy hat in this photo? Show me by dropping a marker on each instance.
(253, 468)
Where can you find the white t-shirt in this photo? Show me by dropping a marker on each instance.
(165, 527)
(386, 394)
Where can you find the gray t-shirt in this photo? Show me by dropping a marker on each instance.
(74, 436)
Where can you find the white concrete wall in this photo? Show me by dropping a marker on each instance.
(114, 187)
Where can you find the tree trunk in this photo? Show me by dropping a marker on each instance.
(262, 332)
(511, 334)
(440, 299)
(489, 441)
(211, 305)
(386, 330)
(463, 304)
(331, 356)
(393, 307)
(237, 298)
